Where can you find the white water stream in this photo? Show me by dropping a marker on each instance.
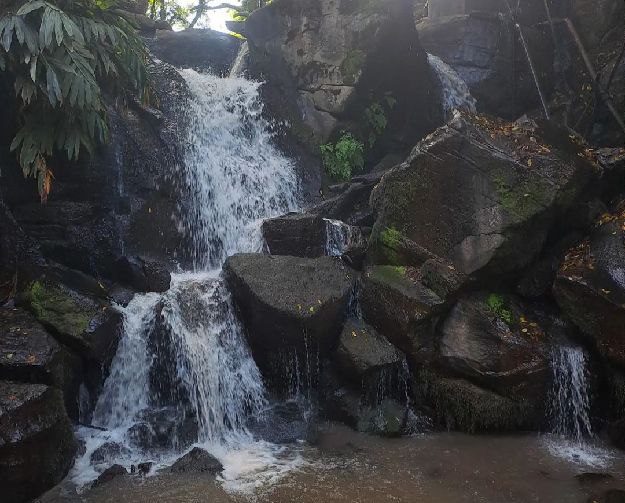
(183, 374)
(455, 92)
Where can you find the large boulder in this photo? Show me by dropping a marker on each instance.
(590, 286)
(37, 445)
(496, 342)
(400, 307)
(201, 49)
(309, 235)
(296, 234)
(504, 185)
(29, 354)
(363, 354)
(461, 405)
(485, 51)
(289, 303)
(327, 60)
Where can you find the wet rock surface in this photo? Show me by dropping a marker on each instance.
(590, 286)
(362, 352)
(503, 192)
(29, 354)
(495, 341)
(296, 234)
(37, 445)
(197, 461)
(399, 307)
(289, 303)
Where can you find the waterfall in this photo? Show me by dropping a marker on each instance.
(340, 237)
(569, 404)
(183, 373)
(455, 92)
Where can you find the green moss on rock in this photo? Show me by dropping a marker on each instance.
(58, 310)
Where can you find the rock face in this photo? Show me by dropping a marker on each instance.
(289, 303)
(400, 307)
(296, 234)
(123, 199)
(485, 51)
(590, 286)
(322, 57)
(493, 341)
(29, 354)
(202, 49)
(504, 184)
(36, 441)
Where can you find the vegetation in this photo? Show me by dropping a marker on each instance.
(61, 56)
(497, 304)
(344, 157)
(169, 11)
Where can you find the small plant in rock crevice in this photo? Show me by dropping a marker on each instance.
(344, 157)
(497, 304)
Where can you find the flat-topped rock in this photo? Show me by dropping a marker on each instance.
(289, 303)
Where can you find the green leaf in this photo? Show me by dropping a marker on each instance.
(29, 7)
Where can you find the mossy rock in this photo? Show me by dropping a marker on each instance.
(87, 324)
(463, 406)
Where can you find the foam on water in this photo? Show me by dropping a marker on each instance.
(183, 352)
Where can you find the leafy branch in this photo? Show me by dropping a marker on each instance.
(60, 62)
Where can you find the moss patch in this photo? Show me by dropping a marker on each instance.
(523, 199)
(497, 304)
(57, 310)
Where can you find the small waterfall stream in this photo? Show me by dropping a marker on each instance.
(569, 404)
(455, 92)
(183, 373)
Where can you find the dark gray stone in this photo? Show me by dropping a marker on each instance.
(37, 445)
(362, 352)
(29, 354)
(202, 49)
(288, 302)
(109, 474)
(197, 461)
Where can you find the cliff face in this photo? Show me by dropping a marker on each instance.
(326, 61)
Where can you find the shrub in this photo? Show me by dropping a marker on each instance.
(344, 157)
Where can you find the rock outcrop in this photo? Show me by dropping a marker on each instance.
(363, 354)
(505, 185)
(29, 354)
(325, 61)
(289, 303)
(37, 444)
(590, 286)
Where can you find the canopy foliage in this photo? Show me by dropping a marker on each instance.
(61, 57)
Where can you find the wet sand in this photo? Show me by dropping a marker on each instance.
(350, 467)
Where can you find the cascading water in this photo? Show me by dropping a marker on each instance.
(455, 92)
(569, 409)
(340, 237)
(183, 373)
(569, 401)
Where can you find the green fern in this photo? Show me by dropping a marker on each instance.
(343, 157)
(61, 61)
